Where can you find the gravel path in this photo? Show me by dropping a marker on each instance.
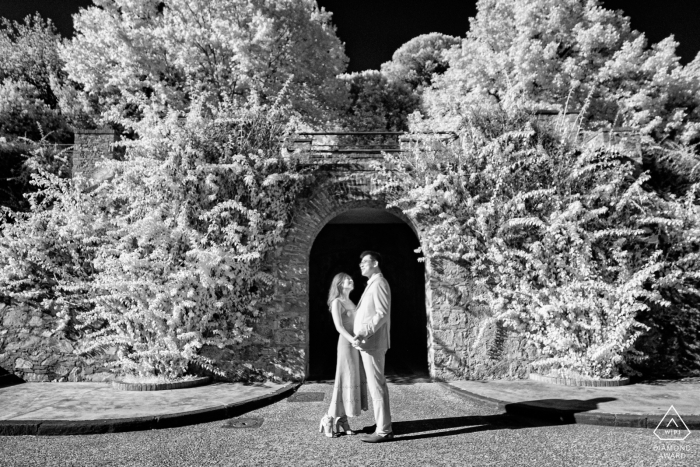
(433, 427)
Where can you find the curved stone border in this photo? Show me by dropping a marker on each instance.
(597, 383)
(190, 383)
(91, 427)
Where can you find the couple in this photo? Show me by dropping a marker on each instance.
(364, 340)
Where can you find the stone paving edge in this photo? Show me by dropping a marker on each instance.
(119, 425)
(568, 416)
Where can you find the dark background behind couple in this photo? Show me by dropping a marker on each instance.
(337, 249)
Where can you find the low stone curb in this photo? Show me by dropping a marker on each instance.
(90, 427)
(579, 382)
(191, 383)
(569, 416)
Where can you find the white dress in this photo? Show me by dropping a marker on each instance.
(350, 388)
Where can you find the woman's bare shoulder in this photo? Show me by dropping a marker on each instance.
(341, 305)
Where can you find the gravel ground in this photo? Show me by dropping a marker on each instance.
(432, 426)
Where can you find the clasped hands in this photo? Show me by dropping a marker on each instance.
(357, 343)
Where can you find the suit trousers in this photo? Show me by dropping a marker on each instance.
(373, 362)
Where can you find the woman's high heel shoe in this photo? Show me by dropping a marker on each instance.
(338, 424)
(326, 426)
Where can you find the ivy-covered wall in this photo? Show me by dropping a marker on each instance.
(30, 347)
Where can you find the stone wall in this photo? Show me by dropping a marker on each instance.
(32, 349)
(452, 327)
(454, 352)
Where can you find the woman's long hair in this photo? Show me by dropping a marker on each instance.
(337, 287)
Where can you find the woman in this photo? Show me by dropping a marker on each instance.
(350, 388)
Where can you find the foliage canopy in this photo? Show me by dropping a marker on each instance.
(574, 55)
(129, 55)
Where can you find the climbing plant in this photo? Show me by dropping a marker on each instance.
(168, 252)
(563, 243)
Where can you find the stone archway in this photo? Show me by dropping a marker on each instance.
(336, 249)
(289, 328)
(451, 329)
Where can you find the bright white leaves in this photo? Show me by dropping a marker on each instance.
(30, 79)
(574, 55)
(179, 262)
(133, 54)
(554, 241)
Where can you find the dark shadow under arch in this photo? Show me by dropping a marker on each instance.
(337, 248)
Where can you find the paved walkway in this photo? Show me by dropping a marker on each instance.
(81, 408)
(637, 405)
(75, 408)
(433, 426)
(638, 399)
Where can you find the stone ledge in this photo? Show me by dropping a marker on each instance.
(597, 383)
(122, 386)
(99, 131)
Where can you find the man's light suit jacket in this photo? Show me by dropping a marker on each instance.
(373, 318)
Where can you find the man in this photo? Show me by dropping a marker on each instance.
(371, 328)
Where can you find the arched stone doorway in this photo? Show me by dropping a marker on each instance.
(337, 248)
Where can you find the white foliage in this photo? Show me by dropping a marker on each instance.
(553, 239)
(167, 255)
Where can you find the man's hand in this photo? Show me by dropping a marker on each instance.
(358, 343)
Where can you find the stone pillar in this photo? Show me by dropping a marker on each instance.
(91, 146)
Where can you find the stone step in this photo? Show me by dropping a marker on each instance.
(9, 380)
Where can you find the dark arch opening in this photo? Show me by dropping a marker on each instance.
(337, 249)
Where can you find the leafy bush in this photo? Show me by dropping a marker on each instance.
(130, 55)
(31, 83)
(418, 61)
(30, 77)
(167, 253)
(562, 243)
(19, 159)
(573, 54)
(46, 254)
(674, 168)
(24, 113)
(375, 103)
